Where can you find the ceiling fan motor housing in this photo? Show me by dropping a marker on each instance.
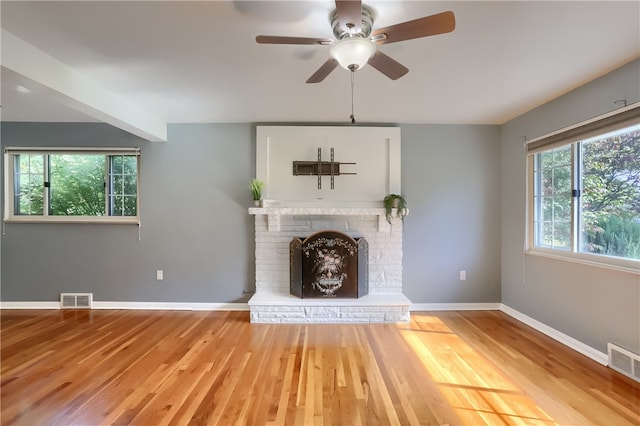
(365, 29)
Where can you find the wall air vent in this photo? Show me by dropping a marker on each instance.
(624, 361)
(76, 300)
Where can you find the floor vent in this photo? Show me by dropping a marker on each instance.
(624, 361)
(76, 300)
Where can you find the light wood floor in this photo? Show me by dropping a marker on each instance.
(179, 368)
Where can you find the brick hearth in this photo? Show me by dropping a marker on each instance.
(274, 229)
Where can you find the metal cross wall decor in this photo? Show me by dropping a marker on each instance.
(320, 168)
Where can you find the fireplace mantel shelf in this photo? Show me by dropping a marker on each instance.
(335, 211)
(273, 214)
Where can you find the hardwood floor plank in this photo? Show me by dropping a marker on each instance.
(180, 368)
(201, 391)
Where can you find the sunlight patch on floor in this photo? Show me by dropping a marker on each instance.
(476, 389)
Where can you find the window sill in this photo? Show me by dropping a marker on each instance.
(600, 261)
(74, 219)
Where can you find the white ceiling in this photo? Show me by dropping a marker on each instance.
(187, 62)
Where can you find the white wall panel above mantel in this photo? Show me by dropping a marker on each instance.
(374, 150)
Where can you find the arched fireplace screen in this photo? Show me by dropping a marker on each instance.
(329, 264)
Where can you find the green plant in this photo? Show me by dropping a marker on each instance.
(256, 187)
(398, 202)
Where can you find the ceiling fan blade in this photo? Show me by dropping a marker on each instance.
(266, 39)
(440, 23)
(323, 71)
(387, 66)
(349, 14)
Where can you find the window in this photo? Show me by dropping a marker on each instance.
(552, 198)
(69, 185)
(585, 191)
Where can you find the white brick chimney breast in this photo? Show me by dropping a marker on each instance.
(294, 206)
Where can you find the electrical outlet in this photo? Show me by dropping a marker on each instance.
(463, 275)
(159, 275)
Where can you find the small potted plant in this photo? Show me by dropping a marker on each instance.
(256, 186)
(395, 201)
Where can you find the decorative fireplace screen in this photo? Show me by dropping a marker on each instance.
(329, 264)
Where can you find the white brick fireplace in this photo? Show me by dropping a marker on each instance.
(275, 227)
(367, 161)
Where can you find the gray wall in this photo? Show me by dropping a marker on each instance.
(195, 225)
(196, 228)
(451, 178)
(591, 304)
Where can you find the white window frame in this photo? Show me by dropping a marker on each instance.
(9, 211)
(624, 117)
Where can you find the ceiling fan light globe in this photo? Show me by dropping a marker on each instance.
(352, 53)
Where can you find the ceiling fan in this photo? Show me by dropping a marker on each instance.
(356, 41)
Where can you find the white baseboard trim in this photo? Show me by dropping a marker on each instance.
(158, 306)
(30, 305)
(172, 306)
(186, 306)
(576, 345)
(416, 307)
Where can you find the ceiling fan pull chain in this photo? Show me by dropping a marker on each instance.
(353, 117)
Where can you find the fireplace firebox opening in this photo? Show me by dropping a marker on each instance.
(329, 264)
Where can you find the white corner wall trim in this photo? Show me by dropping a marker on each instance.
(158, 306)
(576, 345)
(417, 307)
